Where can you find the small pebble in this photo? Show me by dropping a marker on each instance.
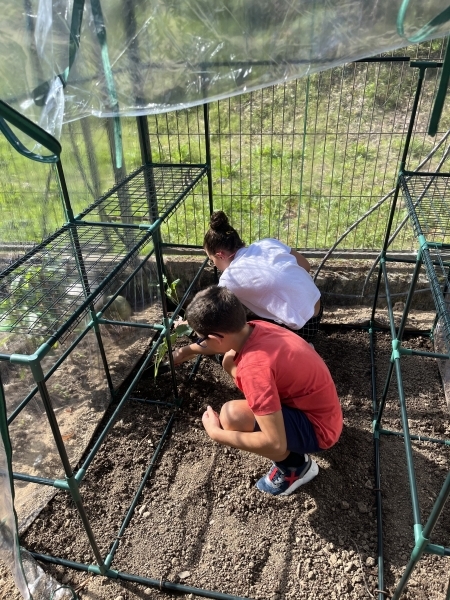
(184, 574)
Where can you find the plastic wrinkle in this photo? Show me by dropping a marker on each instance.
(161, 56)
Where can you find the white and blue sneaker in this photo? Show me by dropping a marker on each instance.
(282, 482)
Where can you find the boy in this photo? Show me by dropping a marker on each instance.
(291, 405)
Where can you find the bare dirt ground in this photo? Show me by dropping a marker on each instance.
(201, 522)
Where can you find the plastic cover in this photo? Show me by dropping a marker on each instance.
(30, 579)
(65, 59)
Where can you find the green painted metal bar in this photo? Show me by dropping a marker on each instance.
(39, 135)
(378, 495)
(157, 402)
(155, 326)
(419, 438)
(408, 446)
(159, 584)
(82, 470)
(70, 479)
(208, 155)
(422, 67)
(422, 536)
(34, 479)
(410, 352)
(47, 375)
(410, 296)
(394, 335)
(437, 550)
(101, 347)
(100, 29)
(112, 551)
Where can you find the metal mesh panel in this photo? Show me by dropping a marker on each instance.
(427, 198)
(48, 285)
(150, 192)
(305, 160)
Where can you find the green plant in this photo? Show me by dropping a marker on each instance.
(179, 331)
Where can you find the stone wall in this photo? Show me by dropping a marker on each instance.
(341, 282)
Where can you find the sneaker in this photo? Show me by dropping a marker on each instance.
(280, 482)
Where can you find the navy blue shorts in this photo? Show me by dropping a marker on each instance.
(300, 434)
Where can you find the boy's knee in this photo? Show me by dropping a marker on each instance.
(230, 416)
(227, 416)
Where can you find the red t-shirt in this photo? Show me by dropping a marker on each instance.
(277, 367)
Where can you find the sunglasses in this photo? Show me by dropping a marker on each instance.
(201, 340)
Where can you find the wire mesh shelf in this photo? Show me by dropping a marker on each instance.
(151, 192)
(48, 291)
(427, 198)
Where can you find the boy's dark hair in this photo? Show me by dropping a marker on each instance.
(220, 235)
(216, 310)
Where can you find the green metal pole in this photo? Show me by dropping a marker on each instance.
(71, 481)
(422, 536)
(422, 68)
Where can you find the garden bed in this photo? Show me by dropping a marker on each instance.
(201, 521)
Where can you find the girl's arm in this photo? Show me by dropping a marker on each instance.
(301, 260)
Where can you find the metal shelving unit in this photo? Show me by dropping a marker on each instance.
(56, 286)
(427, 199)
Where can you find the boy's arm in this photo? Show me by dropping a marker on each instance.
(269, 442)
(228, 363)
(301, 260)
(180, 355)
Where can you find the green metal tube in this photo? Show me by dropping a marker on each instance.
(408, 447)
(409, 298)
(419, 438)
(46, 375)
(160, 584)
(378, 496)
(156, 326)
(82, 470)
(34, 479)
(437, 508)
(208, 155)
(110, 557)
(71, 482)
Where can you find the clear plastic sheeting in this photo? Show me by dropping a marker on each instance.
(441, 346)
(65, 59)
(9, 542)
(30, 579)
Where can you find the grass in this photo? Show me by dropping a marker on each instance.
(300, 161)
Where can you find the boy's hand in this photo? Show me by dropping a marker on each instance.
(211, 421)
(182, 354)
(179, 321)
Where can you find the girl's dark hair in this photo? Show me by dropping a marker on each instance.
(221, 235)
(216, 310)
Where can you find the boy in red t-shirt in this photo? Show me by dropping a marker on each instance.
(291, 407)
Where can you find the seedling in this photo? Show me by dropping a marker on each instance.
(181, 330)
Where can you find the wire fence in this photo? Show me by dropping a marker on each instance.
(302, 162)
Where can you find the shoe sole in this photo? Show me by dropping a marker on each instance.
(312, 472)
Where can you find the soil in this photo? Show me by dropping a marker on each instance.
(201, 522)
